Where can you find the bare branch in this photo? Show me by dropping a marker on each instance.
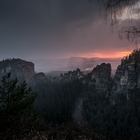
(113, 10)
(131, 33)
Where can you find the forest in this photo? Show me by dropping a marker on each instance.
(116, 115)
(57, 99)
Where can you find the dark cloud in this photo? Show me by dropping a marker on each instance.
(54, 28)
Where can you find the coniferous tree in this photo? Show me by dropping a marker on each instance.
(15, 100)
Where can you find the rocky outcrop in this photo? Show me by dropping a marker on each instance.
(37, 78)
(100, 77)
(127, 78)
(21, 69)
(76, 74)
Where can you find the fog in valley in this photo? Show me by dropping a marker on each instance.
(67, 64)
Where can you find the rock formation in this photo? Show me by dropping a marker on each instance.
(127, 77)
(21, 69)
(100, 77)
(37, 78)
(76, 74)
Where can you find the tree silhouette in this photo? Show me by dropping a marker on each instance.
(113, 11)
(15, 100)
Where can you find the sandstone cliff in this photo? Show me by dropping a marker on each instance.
(37, 78)
(21, 69)
(127, 77)
(76, 74)
(100, 77)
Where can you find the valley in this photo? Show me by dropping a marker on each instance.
(92, 97)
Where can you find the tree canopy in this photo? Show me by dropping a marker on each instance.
(15, 100)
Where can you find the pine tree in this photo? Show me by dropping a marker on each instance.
(16, 100)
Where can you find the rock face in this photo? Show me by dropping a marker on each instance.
(127, 78)
(76, 74)
(21, 69)
(37, 78)
(100, 77)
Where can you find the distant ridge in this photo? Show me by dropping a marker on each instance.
(72, 63)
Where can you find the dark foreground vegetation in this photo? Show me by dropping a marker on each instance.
(120, 117)
(34, 128)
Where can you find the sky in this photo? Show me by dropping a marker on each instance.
(54, 29)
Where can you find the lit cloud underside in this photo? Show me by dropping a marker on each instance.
(107, 54)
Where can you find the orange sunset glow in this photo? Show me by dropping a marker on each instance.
(107, 54)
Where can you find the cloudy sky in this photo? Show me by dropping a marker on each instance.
(46, 29)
